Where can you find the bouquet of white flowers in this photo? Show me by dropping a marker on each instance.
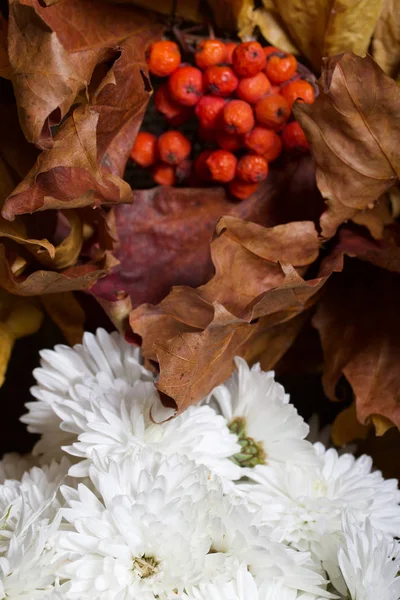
(122, 500)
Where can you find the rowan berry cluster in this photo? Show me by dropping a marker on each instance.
(242, 96)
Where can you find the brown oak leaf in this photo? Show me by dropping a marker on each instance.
(357, 320)
(354, 131)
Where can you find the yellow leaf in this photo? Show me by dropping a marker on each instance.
(234, 15)
(347, 427)
(386, 41)
(322, 28)
(67, 314)
(18, 317)
(272, 28)
(382, 424)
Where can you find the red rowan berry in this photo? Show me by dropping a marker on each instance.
(252, 168)
(237, 117)
(210, 52)
(173, 147)
(248, 59)
(294, 138)
(186, 85)
(251, 89)
(264, 142)
(164, 174)
(280, 69)
(208, 111)
(220, 80)
(222, 165)
(241, 189)
(272, 111)
(228, 141)
(163, 58)
(144, 151)
(298, 90)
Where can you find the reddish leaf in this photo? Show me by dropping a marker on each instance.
(230, 323)
(354, 132)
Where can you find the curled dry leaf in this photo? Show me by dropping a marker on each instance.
(185, 9)
(165, 236)
(5, 69)
(324, 28)
(86, 163)
(66, 312)
(195, 334)
(354, 132)
(18, 317)
(56, 49)
(357, 320)
(386, 40)
(269, 22)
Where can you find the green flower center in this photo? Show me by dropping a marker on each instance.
(251, 452)
(145, 566)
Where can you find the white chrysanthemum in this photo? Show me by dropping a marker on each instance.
(269, 429)
(304, 506)
(27, 570)
(146, 536)
(112, 416)
(63, 367)
(369, 563)
(14, 465)
(32, 499)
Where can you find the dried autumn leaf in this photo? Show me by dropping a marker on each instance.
(347, 428)
(269, 22)
(233, 15)
(354, 131)
(386, 40)
(195, 334)
(5, 69)
(165, 236)
(18, 317)
(357, 320)
(86, 163)
(56, 49)
(67, 314)
(322, 28)
(185, 9)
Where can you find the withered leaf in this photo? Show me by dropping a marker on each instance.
(39, 282)
(165, 237)
(195, 334)
(86, 163)
(56, 49)
(386, 40)
(18, 317)
(347, 428)
(354, 131)
(233, 15)
(5, 69)
(67, 314)
(186, 9)
(322, 28)
(269, 22)
(357, 320)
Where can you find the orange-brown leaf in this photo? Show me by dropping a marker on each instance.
(354, 131)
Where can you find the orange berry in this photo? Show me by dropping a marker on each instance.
(280, 69)
(222, 165)
(252, 168)
(253, 88)
(144, 151)
(264, 142)
(184, 170)
(201, 170)
(272, 111)
(298, 90)
(210, 52)
(220, 80)
(208, 110)
(230, 47)
(163, 58)
(164, 174)
(174, 112)
(294, 138)
(228, 141)
(241, 189)
(173, 147)
(237, 117)
(248, 59)
(186, 85)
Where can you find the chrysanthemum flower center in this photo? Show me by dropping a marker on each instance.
(251, 452)
(145, 566)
